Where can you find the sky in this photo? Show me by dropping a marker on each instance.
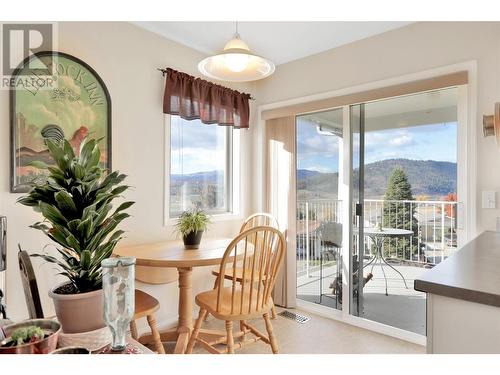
(196, 147)
(202, 146)
(428, 142)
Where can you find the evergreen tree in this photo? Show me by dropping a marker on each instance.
(400, 215)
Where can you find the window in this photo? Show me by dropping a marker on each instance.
(200, 167)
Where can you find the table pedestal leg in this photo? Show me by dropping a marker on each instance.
(182, 333)
(185, 325)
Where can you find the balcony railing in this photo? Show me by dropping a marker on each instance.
(434, 223)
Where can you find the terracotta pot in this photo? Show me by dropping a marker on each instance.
(44, 346)
(78, 313)
(192, 240)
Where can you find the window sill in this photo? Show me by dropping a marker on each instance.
(214, 218)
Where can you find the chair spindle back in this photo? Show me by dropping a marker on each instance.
(259, 219)
(259, 254)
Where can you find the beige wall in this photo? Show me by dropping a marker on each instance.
(411, 49)
(126, 57)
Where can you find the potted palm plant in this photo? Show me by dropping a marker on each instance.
(191, 225)
(76, 203)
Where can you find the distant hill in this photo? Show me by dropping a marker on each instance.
(427, 177)
(306, 173)
(210, 177)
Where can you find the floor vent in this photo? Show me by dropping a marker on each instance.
(296, 317)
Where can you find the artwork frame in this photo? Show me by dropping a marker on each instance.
(98, 89)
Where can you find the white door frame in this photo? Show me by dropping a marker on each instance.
(466, 176)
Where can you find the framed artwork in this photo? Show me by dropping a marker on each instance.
(55, 95)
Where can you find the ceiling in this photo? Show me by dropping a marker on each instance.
(280, 42)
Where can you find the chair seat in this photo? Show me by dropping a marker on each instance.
(145, 304)
(228, 275)
(208, 301)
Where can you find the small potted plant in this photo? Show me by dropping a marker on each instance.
(76, 203)
(191, 225)
(34, 336)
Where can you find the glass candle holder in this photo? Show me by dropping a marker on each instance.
(118, 276)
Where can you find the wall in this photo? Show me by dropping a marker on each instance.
(126, 57)
(411, 49)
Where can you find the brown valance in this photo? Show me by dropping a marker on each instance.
(194, 98)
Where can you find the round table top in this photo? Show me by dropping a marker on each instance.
(173, 254)
(386, 232)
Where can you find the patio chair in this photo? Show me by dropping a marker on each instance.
(330, 234)
(336, 285)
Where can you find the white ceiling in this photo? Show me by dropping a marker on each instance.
(280, 42)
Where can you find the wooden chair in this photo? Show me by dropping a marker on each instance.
(145, 304)
(30, 286)
(258, 253)
(255, 220)
(259, 219)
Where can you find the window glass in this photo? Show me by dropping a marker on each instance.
(199, 166)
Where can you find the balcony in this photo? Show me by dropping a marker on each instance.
(434, 224)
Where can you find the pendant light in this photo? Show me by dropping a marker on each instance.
(236, 63)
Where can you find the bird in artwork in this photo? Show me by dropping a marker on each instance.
(78, 137)
(52, 131)
(55, 132)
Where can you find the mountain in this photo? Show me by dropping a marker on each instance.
(427, 177)
(306, 173)
(210, 177)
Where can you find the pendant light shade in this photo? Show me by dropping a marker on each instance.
(236, 63)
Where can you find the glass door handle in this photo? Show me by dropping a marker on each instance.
(358, 209)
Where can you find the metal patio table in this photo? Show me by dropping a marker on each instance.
(378, 236)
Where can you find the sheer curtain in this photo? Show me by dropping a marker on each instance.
(281, 200)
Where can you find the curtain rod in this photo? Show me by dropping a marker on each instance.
(164, 71)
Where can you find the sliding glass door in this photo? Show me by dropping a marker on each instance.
(319, 207)
(404, 197)
(378, 194)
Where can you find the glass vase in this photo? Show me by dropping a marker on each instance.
(118, 276)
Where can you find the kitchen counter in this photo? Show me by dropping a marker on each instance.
(463, 299)
(472, 274)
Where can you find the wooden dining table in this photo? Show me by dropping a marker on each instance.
(171, 254)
